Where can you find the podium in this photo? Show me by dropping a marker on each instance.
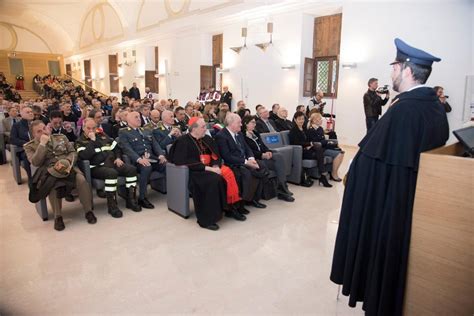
(440, 276)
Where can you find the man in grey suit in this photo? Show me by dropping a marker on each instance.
(9, 121)
(264, 123)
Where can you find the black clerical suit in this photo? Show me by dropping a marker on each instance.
(372, 243)
(208, 188)
(235, 152)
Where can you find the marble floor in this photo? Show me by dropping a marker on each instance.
(154, 262)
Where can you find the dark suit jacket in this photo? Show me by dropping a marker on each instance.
(298, 137)
(7, 125)
(283, 125)
(143, 120)
(134, 93)
(263, 128)
(20, 133)
(257, 146)
(227, 98)
(232, 154)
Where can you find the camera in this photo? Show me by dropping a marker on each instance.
(382, 90)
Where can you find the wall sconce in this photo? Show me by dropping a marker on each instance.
(116, 78)
(288, 67)
(223, 70)
(349, 65)
(139, 76)
(128, 62)
(239, 48)
(264, 46)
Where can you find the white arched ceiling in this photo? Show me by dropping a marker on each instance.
(100, 24)
(44, 28)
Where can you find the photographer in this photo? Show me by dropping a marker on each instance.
(442, 98)
(316, 102)
(373, 102)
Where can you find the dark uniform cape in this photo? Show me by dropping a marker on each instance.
(372, 243)
(208, 188)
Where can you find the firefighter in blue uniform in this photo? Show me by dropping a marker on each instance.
(139, 144)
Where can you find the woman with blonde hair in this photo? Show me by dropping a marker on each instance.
(315, 133)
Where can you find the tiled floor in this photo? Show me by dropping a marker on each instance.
(277, 262)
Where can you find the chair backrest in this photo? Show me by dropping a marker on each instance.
(272, 140)
(285, 135)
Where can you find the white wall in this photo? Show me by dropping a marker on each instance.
(368, 30)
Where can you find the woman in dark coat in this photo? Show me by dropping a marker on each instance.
(210, 183)
(315, 133)
(311, 150)
(271, 160)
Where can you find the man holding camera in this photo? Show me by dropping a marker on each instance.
(373, 102)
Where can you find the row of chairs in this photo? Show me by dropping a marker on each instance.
(175, 183)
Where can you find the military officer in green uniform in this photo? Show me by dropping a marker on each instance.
(57, 155)
(139, 144)
(105, 157)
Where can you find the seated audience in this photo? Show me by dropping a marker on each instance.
(209, 113)
(68, 115)
(38, 114)
(188, 110)
(243, 113)
(9, 121)
(282, 123)
(180, 119)
(240, 106)
(167, 133)
(316, 102)
(213, 185)
(274, 111)
(20, 135)
(271, 160)
(106, 163)
(56, 177)
(315, 133)
(144, 151)
(223, 110)
(145, 114)
(59, 127)
(311, 150)
(155, 117)
(238, 155)
(264, 123)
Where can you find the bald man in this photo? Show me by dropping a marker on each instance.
(238, 155)
(155, 117)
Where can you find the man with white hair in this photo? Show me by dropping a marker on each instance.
(167, 133)
(238, 155)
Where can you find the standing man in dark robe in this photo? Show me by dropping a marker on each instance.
(373, 239)
(199, 152)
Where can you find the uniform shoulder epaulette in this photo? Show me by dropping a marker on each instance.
(128, 128)
(30, 142)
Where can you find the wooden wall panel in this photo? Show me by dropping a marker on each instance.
(440, 279)
(217, 44)
(113, 72)
(327, 35)
(207, 77)
(33, 63)
(308, 77)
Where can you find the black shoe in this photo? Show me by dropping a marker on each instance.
(284, 189)
(235, 215)
(334, 179)
(257, 204)
(324, 181)
(59, 224)
(69, 198)
(240, 207)
(210, 227)
(285, 197)
(145, 203)
(91, 219)
(101, 194)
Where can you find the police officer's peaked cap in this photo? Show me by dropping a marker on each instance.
(414, 55)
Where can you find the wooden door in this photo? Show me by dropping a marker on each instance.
(87, 74)
(68, 70)
(113, 73)
(207, 76)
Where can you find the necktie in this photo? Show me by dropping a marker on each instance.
(239, 144)
(270, 127)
